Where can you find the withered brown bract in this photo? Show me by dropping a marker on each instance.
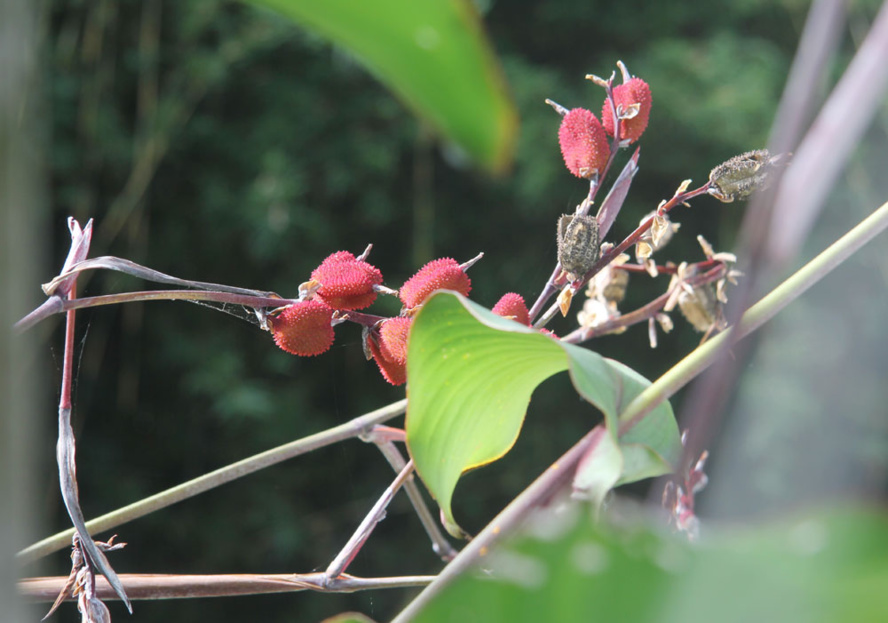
(578, 244)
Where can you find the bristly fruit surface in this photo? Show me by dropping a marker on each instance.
(512, 305)
(583, 143)
(440, 274)
(346, 282)
(634, 92)
(303, 328)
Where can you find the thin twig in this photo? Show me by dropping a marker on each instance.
(348, 430)
(110, 262)
(65, 455)
(440, 545)
(166, 586)
(365, 529)
(643, 313)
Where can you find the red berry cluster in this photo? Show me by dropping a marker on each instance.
(343, 284)
(584, 139)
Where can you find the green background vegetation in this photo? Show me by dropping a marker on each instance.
(217, 141)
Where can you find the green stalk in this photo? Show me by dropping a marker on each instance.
(688, 368)
(353, 428)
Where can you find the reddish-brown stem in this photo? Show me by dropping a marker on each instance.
(668, 269)
(365, 320)
(644, 313)
(68, 364)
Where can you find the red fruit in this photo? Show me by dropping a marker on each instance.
(512, 305)
(390, 349)
(583, 143)
(441, 274)
(393, 339)
(346, 282)
(635, 91)
(303, 328)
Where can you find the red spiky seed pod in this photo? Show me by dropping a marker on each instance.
(440, 274)
(634, 91)
(389, 350)
(393, 339)
(346, 282)
(303, 328)
(512, 305)
(583, 143)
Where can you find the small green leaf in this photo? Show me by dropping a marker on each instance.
(820, 568)
(470, 377)
(434, 55)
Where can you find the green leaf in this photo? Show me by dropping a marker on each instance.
(349, 617)
(824, 567)
(434, 55)
(470, 377)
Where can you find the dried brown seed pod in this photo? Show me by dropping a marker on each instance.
(742, 175)
(578, 244)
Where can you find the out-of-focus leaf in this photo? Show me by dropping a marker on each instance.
(600, 468)
(434, 55)
(830, 566)
(349, 617)
(470, 377)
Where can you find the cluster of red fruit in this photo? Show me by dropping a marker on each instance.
(344, 283)
(583, 138)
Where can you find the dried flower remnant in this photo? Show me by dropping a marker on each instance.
(583, 143)
(742, 175)
(679, 500)
(346, 282)
(611, 282)
(303, 328)
(698, 304)
(578, 244)
(658, 236)
(512, 306)
(605, 291)
(665, 323)
(700, 307)
(441, 274)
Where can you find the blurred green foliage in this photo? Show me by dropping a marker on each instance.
(822, 568)
(214, 141)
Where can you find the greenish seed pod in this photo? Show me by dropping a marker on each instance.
(742, 175)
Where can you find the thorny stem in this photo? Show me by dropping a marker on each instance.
(644, 313)
(365, 529)
(348, 430)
